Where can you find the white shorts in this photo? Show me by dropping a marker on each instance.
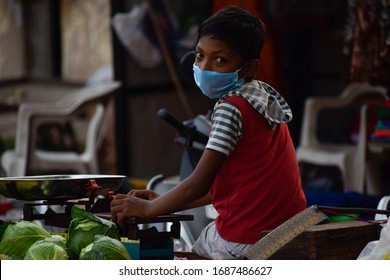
(211, 246)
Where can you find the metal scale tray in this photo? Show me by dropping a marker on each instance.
(56, 187)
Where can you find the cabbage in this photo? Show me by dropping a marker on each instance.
(104, 248)
(83, 228)
(57, 239)
(52, 248)
(18, 236)
(92, 255)
(4, 257)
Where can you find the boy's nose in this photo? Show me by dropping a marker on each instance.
(204, 65)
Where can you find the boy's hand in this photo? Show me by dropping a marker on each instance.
(144, 194)
(124, 206)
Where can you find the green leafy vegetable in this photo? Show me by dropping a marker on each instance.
(52, 248)
(83, 228)
(18, 236)
(104, 248)
(4, 257)
(92, 255)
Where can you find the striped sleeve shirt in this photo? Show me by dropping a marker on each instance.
(226, 128)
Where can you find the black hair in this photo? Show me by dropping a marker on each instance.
(240, 29)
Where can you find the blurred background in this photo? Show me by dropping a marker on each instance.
(49, 47)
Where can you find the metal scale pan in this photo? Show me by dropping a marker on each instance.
(56, 187)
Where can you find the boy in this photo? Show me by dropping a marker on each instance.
(249, 169)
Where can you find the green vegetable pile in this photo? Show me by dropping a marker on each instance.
(89, 238)
(50, 248)
(18, 236)
(104, 248)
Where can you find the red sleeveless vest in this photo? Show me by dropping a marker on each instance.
(258, 187)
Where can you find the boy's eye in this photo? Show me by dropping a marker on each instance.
(198, 55)
(220, 60)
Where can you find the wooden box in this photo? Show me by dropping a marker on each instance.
(331, 241)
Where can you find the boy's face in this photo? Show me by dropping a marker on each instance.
(215, 55)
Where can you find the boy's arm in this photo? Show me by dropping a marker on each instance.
(150, 195)
(206, 200)
(193, 191)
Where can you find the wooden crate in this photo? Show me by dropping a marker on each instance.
(332, 241)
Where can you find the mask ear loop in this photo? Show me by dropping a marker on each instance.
(253, 63)
(238, 70)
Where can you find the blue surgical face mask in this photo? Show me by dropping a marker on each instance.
(214, 84)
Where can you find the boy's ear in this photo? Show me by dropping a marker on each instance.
(250, 70)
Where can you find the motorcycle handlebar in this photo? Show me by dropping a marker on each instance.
(164, 114)
(190, 131)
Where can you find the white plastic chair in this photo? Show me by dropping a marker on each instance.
(372, 154)
(384, 204)
(31, 115)
(344, 156)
